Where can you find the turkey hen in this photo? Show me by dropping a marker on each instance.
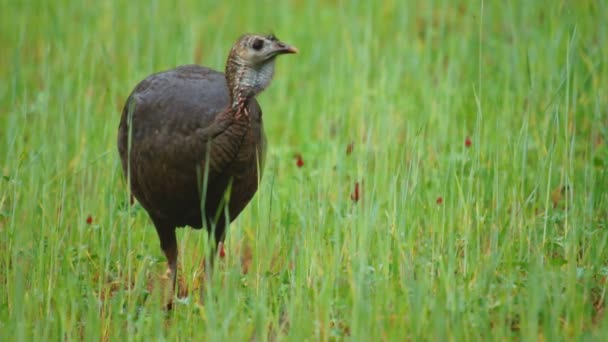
(191, 142)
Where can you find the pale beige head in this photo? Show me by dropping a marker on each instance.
(250, 64)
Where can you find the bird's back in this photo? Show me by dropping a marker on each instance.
(176, 100)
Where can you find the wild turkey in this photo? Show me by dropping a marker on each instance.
(192, 138)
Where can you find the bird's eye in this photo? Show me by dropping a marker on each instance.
(257, 44)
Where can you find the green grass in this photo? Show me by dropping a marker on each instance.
(506, 255)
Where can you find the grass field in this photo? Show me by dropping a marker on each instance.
(477, 133)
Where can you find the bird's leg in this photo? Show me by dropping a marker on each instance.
(168, 243)
(171, 254)
(219, 235)
(215, 252)
(217, 249)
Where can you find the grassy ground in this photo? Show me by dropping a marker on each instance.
(499, 235)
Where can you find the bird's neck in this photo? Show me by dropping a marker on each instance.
(246, 81)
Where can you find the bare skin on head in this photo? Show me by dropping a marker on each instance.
(191, 137)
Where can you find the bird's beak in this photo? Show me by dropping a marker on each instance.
(282, 48)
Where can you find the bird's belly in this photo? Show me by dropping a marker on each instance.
(174, 193)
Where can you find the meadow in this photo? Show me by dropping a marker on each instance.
(436, 171)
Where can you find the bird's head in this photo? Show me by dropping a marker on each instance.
(250, 64)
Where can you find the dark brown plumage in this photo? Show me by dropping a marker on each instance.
(192, 138)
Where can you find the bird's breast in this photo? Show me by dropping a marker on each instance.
(250, 156)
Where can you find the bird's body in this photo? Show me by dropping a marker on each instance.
(192, 144)
(175, 116)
